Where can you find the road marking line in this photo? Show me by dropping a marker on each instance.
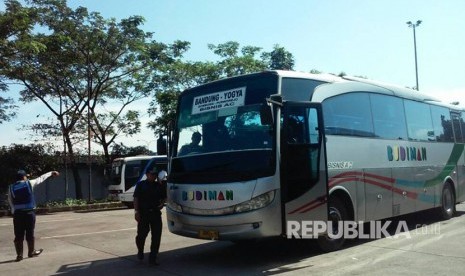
(55, 220)
(83, 234)
(41, 221)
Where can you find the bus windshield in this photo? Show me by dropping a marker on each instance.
(220, 131)
(237, 128)
(131, 170)
(116, 171)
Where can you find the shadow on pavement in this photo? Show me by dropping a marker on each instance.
(264, 257)
(214, 258)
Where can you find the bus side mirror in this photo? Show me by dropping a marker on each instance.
(266, 110)
(266, 116)
(161, 146)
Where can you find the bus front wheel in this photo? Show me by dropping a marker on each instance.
(447, 208)
(337, 215)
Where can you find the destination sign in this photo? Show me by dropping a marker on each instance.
(219, 100)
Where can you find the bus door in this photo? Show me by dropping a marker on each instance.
(459, 133)
(303, 164)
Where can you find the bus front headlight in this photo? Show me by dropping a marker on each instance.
(174, 206)
(255, 203)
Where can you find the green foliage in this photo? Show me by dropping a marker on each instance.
(279, 59)
(34, 158)
(81, 64)
(66, 202)
(233, 61)
(69, 202)
(7, 108)
(120, 150)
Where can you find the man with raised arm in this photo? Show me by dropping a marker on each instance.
(22, 204)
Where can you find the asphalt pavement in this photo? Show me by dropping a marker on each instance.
(102, 243)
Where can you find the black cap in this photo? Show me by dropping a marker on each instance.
(152, 170)
(21, 174)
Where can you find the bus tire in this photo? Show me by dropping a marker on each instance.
(337, 213)
(447, 209)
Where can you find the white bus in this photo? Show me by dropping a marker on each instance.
(280, 146)
(126, 172)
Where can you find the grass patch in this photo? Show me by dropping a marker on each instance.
(70, 202)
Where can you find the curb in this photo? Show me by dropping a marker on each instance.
(81, 209)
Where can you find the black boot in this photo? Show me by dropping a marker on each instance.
(19, 251)
(31, 250)
(153, 260)
(140, 249)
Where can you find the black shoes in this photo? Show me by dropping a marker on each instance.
(153, 259)
(19, 251)
(34, 253)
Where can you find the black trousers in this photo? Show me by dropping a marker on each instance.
(24, 223)
(149, 222)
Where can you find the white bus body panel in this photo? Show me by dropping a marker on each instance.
(127, 196)
(229, 226)
(388, 188)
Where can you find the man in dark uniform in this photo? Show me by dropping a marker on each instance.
(149, 197)
(22, 205)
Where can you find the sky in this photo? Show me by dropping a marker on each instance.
(358, 37)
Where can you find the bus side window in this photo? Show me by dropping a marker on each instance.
(457, 121)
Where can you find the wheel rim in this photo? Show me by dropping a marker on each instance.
(335, 217)
(447, 201)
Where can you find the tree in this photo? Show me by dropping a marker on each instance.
(10, 26)
(177, 77)
(120, 150)
(233, 64)
(6, 109)
(35, 159)
(85, 69)
(278, 59)
(233, 61)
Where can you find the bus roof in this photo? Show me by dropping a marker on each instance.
(281, 73)
(354, 84)
(336, 85)
(139, 157)
(304, 75)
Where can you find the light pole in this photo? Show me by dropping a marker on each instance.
(413, 26)
(89, 152)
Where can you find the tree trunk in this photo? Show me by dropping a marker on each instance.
(74, 169)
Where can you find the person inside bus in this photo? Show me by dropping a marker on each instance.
(194, 146)
(149, 199)
(295, 131)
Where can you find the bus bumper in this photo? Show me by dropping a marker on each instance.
(265, 222)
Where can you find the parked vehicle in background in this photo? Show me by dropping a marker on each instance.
(126, 172)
